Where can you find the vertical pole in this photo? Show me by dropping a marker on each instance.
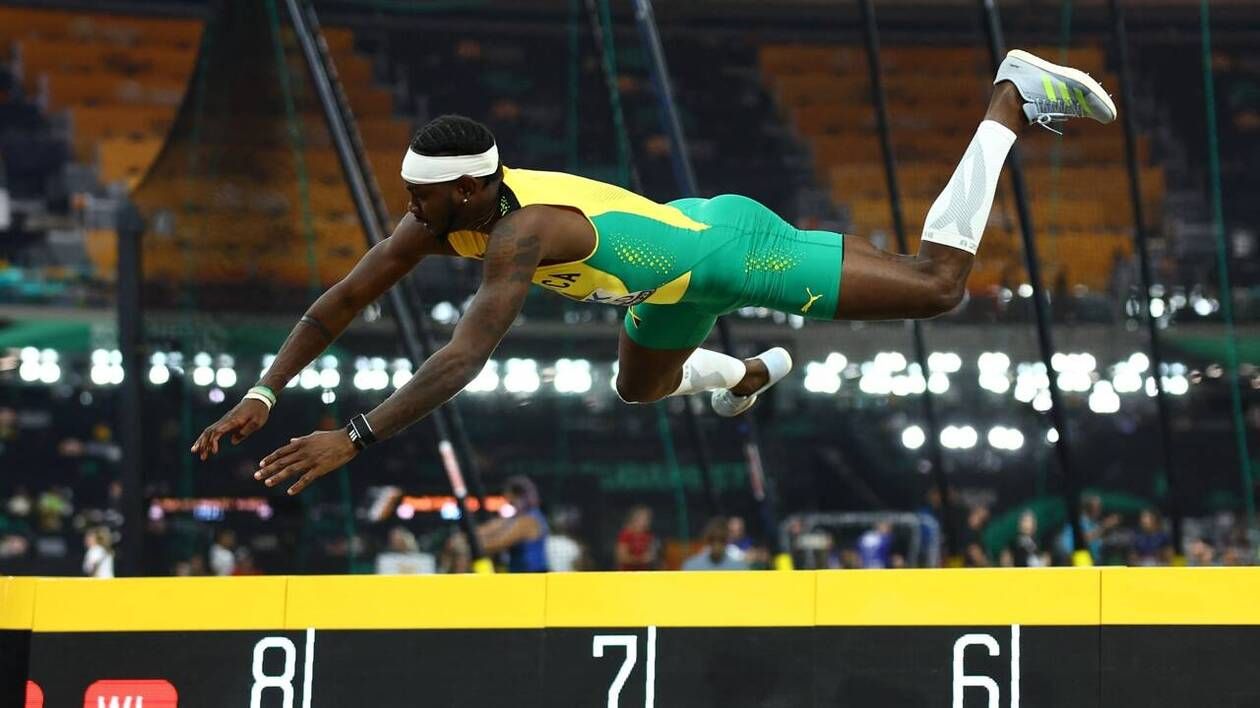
(1140, 240)
(130, 227)
(686, 178)
(1222, 264)
(880, 101)
(601, 32)
(406, 315)
(1058, 415)
(414, 309)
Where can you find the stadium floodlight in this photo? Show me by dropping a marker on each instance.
(203, 376)
(948, 362)
(1157, 307)
(913, 437)
(159, 374)
(444, 312)
(967, 437)
(1139, 362)
(29, 371)
(201, 359)
(400, 378)
(1001, 437)
(487, 380)
(890, 361)
(49, 372)
(32, 354)
(1041, 402)
(573, 376)
(1203, 307)
(1177, 385)
(877, 382)
(521, 376)
(328, 361)
(821, 378)
(225, 377)
(1104, 399)
(1126, 378)
(329, 378)
(1025, 290)
(836, 361)
(329, 396)
(994, 381)
(308, 379)
(938, 382)
(993, 362)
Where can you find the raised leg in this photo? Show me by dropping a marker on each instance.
(877, 285)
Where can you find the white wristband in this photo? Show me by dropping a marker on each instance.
(259, 397)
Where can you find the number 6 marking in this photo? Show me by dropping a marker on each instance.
(630, 643)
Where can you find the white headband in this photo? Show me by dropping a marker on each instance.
(431, 169)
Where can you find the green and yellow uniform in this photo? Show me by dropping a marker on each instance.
(677, 266)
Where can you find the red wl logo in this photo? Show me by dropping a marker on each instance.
(142, 693)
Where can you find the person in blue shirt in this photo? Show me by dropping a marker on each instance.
(523, 534)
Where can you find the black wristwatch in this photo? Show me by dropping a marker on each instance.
(360, 432)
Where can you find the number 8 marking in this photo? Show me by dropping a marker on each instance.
(262, 681)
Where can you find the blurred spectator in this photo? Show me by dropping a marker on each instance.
(523, 535)
(1093, 527)
(223, 553)
(564, 552)
(715, 555)
(52, 508)
(637, 548)
(1151, 546)
(1201, 552)
(402, 555)
(875, 546)
(20, 503)
(972, 540)
(456, 556)
(98, 562)
(1025, 551)
(245, 563)
(740, 541)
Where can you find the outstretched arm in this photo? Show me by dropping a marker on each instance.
(382, 266)
(512, 255)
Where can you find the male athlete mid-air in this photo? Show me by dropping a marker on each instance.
(676, 267)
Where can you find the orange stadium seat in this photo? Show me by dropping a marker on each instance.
(125, 159)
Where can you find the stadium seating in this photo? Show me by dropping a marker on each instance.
(936, 96)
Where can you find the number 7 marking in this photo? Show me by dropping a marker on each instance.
(630, 643)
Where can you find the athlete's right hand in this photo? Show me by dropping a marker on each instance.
(246, 417)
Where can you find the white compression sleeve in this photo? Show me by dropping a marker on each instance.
(707, 370)
(958, 216)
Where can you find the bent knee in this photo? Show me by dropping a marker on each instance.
(632, 391)
(947, 295)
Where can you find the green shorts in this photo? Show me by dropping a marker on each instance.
(760, 261)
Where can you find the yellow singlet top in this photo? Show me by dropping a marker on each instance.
(644, 251)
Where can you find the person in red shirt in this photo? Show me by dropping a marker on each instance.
(637, 548)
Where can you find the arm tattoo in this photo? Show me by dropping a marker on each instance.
(313, 322)
(511, 258)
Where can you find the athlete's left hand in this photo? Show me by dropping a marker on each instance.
(310, 456)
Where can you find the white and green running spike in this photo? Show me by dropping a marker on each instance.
(1053, 93)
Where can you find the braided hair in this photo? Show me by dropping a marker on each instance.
(452, 135)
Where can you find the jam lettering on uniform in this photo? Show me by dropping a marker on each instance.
(560, 281)
(628, 300)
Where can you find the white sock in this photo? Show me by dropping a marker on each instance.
(958, 217)
(707, 370)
